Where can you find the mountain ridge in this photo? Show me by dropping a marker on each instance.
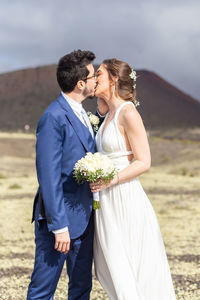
(25, 94)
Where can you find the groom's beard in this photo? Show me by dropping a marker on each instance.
(87, 93)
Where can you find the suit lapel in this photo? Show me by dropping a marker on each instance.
(82, 132)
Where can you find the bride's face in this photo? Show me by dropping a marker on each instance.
(103, 83)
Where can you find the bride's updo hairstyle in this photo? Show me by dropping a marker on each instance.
(125, 85)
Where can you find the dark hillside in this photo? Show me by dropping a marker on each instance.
(25, 94)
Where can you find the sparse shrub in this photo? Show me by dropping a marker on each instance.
(181, 207)
(2, 176)
(15, 186)
(25, 175)
(194, 173)
(151, 190)
(165, 158)
(184, 171)
(162, 211)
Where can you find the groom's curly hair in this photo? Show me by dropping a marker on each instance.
(72, 68)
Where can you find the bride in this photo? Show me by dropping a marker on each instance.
(129, 254)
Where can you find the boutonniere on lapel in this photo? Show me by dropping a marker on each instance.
(94, 120)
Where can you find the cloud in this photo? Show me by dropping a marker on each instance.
(157, 35)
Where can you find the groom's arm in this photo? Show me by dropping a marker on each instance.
(48, 162)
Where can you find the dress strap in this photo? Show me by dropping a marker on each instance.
(121, 138)
(120, 107)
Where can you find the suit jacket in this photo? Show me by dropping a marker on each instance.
(62, 140)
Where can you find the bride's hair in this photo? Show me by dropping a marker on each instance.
(124, 85)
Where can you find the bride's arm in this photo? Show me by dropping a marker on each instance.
(135, 131)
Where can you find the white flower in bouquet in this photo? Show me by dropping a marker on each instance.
(94, 167)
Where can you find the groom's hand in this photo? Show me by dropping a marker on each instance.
(62, 242)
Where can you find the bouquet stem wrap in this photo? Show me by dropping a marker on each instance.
(96, 201)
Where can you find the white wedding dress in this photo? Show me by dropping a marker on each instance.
(129, 254)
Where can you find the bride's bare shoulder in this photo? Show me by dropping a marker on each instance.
(130, 114)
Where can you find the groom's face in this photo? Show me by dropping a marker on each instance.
(90, 82)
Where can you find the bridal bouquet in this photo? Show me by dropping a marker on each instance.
(94, 167)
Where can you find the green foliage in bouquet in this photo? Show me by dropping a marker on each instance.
(82, 176)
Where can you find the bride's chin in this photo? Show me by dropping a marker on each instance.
(97, 93)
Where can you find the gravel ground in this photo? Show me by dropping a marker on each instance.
(173, 189)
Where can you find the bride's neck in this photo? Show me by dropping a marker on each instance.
(113, 104)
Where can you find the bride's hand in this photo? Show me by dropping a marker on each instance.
(102, 185)
(102, 106)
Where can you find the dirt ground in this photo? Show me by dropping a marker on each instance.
(173, 187)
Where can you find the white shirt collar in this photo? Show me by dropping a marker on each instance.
(77, 107)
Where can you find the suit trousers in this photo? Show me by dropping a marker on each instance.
(49, 264)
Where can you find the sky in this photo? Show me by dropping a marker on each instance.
(162, 36)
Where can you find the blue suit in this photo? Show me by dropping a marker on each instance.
(62, 140)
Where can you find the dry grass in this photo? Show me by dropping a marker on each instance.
(173, 191)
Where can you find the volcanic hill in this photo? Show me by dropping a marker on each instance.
(25, 94)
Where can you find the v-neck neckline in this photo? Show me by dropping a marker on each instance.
(103, 127)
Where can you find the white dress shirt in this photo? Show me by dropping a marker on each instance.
(77, 109)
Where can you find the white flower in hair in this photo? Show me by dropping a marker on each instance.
(133, 74)
(136, 102)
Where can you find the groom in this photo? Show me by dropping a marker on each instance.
(62, 208)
